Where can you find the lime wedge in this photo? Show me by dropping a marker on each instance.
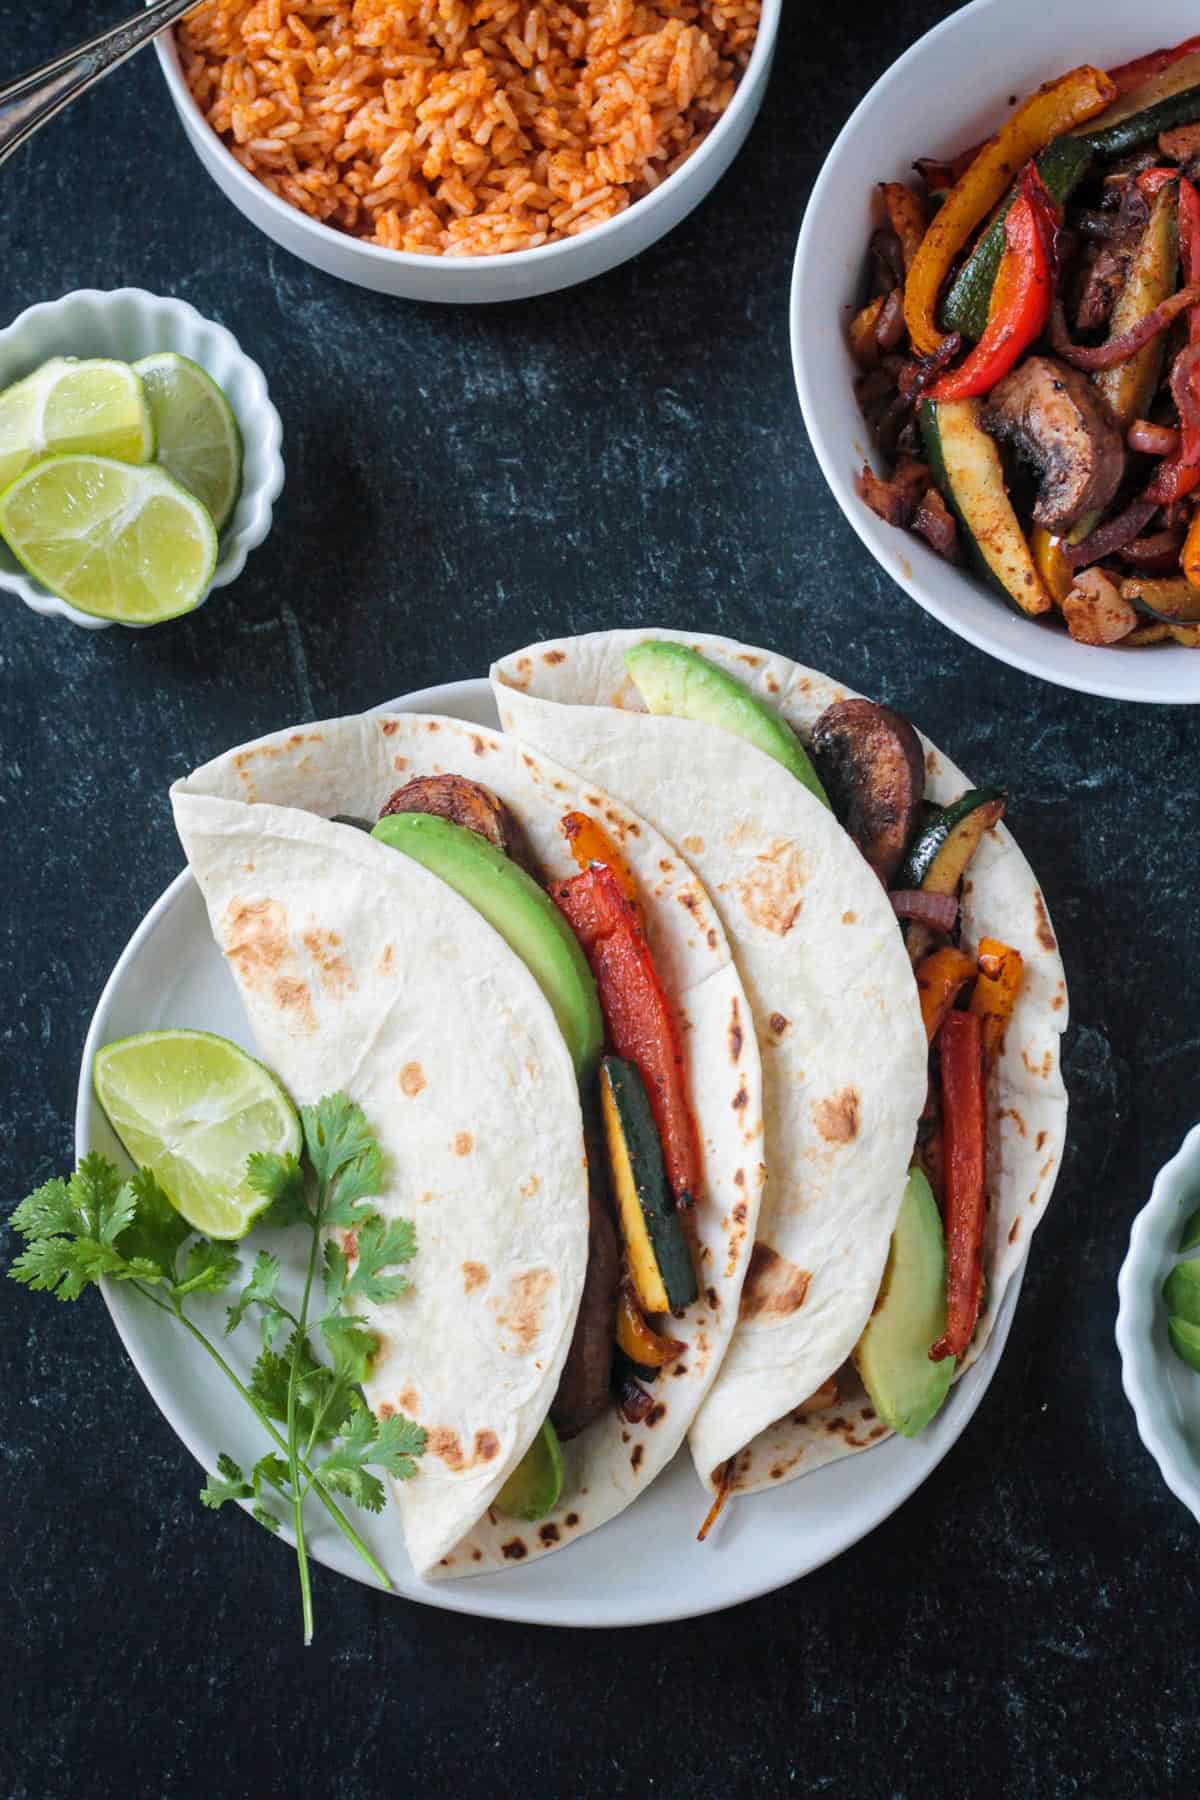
(191, 1107)
(120, 542)
(197, 435)
(96, 406)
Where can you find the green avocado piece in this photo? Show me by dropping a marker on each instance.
(1191, 1234)
(533, 1488)
(514, 905)
(892, 1355)
(683, 684)
(1181, 1291)
(1185, 1341)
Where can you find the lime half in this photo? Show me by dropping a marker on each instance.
(120, 542)
(191, 1107)
(95, 406)
(197, 435)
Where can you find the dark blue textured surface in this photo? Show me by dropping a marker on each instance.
(458, 483)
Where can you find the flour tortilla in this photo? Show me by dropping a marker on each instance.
(834, 1004)
(503, 1081)
(574, 699)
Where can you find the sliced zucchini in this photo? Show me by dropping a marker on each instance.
(967, 469)
(1173, 600)
(941, 851)
(1171, 98)
(660, 1263)
(1130, 387)
(1062, 166)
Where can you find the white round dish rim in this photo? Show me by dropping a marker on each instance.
(868, 1488)
(1149, 1367)
(966, 606)
(257, 415)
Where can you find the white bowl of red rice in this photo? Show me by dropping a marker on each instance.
(416, 148)
(951, 89)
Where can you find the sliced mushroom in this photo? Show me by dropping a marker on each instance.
(466, 803)
(873, 768)
(1054, 417)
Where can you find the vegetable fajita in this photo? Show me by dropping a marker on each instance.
(386, 889)
(1029, 350)
(948, 1022)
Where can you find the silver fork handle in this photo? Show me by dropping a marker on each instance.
(29, 101)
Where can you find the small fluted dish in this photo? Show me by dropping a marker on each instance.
(128, 323)
(1163, 1391)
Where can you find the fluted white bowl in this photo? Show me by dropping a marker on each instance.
(517, 274)
(127, 324)
(1162, 1390)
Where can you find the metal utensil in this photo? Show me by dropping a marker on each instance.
(29, 101)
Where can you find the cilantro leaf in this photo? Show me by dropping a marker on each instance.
(47, 1212)
(280, 1179)
(392, 1444)
(209, 1267)
(335, 1133)
(352, 1346)
(227, 1484)
(266, 1519)
(337, 1268)
(156, 1230)
(65, 1267)
(360, 1180)
(381, 1244)
(99, 1197)
(270, 1471)
(322, 1400)
(259, 1290)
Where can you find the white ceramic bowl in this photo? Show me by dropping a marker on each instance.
(1163, 1391)
(484, 279)
(128, 324)
(945, 93)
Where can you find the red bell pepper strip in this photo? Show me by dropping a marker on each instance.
(638, 1018)
(1020, 305)
(1180, 474)
(1150, 180)
(1131, 75)
(964, 1125)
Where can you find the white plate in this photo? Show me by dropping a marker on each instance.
(645, 1566)
(1163, 1391)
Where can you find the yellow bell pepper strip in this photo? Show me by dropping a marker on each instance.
(1052, 563)
(1190, 558)
(1001, 972)
(1020, 295)
(907, 217)
(1047, 114)
(590, 843)
(640, 1342)
(940, 979)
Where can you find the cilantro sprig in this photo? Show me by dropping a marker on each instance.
(96, 1225)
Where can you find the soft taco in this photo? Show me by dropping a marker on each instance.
(736, 754)
(532, 997)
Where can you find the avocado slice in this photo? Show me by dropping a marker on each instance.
(533, 1488)
(892, 1355)
(1185, 1341)
(683, 684)
(526, 918)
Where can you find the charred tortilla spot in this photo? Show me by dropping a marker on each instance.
(443, 1443)
(477, 1556)
(1042, 1069)
(399, 763)
(1040, 1142)
(1041, 928)
(736, 1038)
(775, 1288)
(713, 1298)
(771, 893)
(554, 657)
(571, 1520)
(657, 1411)
(514, 1550)
(694, 845)
(412, 1079)
(293, 998)
(474, 1275)
(772, 685)
(1014, 1230)
(478, 745)
(741, 1099)
(521, 1311)
(711, 937)
(386, 963)
(849, 918)
(548, 1532)
(688, 899)
(751, 662)
(408, 1401)
(384, 1410)
(389, 727)
(464, 1143)
(837, 1119)
(739, 1213)
(335, 972)
(487, 1446)
(779, 1023)
(635, 1457)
